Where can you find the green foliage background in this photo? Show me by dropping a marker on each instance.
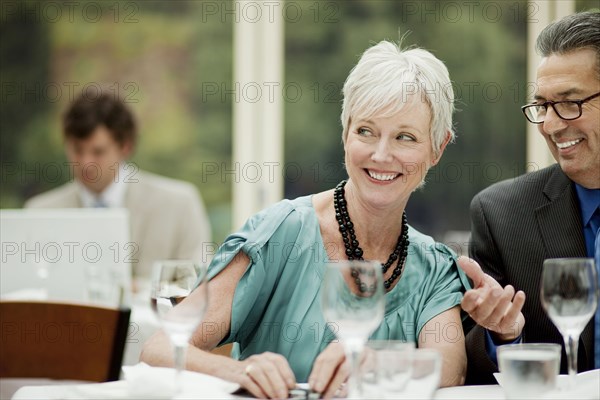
(160, 56)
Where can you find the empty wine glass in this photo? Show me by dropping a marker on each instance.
(353, 303)
(172, 282)
(570, 297)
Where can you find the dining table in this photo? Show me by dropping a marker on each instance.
(145, 382)
(140, 381)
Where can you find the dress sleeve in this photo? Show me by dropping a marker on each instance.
(261, 239)
(445, 286)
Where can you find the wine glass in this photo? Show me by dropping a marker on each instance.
(353, 303)
(172, 282)
(570, 297)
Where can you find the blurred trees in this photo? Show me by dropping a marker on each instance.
(172, 63)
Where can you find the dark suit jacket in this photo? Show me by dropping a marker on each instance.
(516, 225)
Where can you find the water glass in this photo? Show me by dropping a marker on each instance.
(569, 294)
(528, 370)
(352, 300)
(172, 282)
(387, 367)
(426, 374)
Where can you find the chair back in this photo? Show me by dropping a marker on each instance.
(61, 341)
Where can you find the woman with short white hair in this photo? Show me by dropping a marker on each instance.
(397, 121)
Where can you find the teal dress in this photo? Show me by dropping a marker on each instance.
(277, 303)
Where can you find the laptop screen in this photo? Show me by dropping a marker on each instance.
(77, 255)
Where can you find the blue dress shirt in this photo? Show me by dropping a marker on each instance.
(589, 202)
(597, 326)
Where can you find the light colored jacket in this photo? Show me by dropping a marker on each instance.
(167, 217)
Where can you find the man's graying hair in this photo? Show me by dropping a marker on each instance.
(574, 32)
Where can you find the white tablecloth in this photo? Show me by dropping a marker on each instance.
(207, 390)
(202, 386)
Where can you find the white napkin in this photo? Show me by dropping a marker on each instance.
(144, 381)
(141, 382)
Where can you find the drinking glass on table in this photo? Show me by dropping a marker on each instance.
(353, 303)
(570, 297)
(426, 374)
(528, 370)
(386, 367)
(172, 282)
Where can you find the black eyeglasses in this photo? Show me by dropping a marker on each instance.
(567, 110)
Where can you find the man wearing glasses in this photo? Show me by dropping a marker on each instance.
(550, 213)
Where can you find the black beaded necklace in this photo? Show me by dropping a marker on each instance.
(353, 250)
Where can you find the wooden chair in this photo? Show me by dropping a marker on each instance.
(61, 341)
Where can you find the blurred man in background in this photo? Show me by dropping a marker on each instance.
(168, 219)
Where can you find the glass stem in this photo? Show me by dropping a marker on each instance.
(353, 352)
(571, 347)
(179, 364)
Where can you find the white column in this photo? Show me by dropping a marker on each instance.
(258, 107)
(540, 13)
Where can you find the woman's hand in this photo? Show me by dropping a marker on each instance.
(330, 371)
(266, 375)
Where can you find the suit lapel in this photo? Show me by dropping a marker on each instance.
(559, 223)
(559, 220)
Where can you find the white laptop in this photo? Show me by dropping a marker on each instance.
(76, 255)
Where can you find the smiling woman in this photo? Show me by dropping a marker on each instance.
(266, 278)
(393, 153)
